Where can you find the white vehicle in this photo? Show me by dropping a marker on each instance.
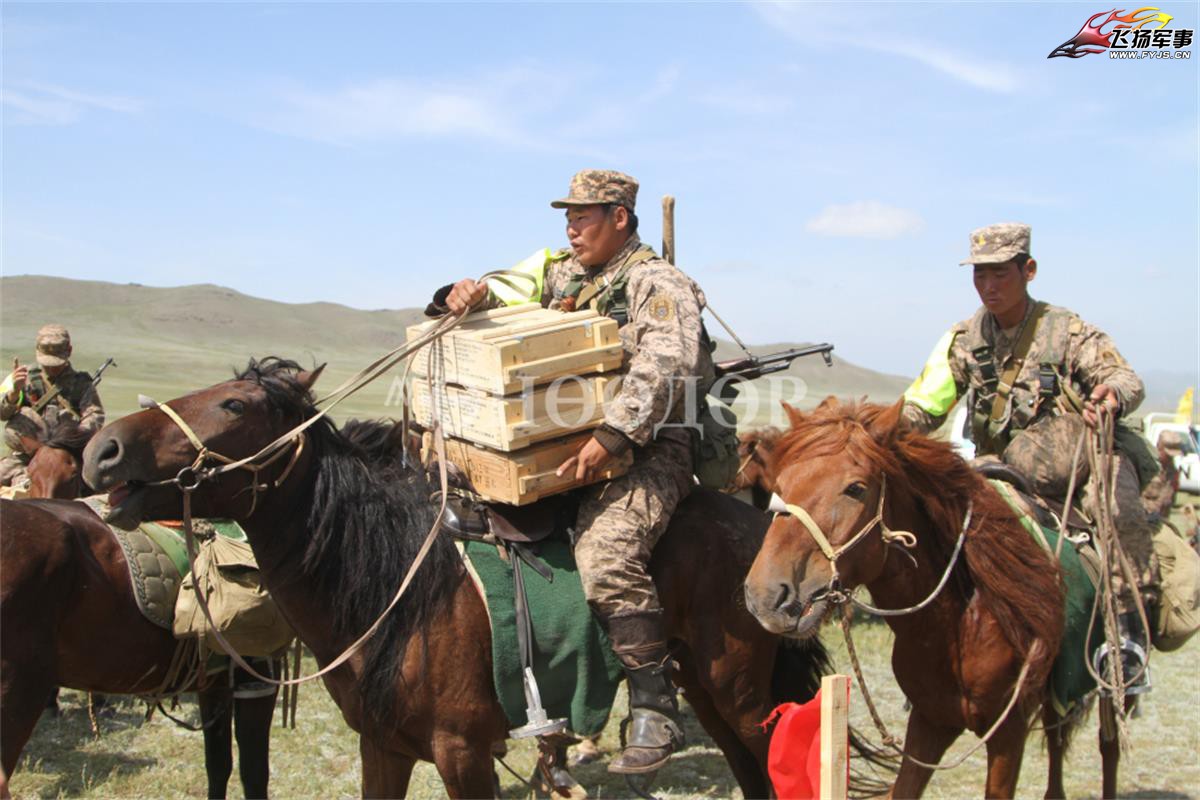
(1188, 461)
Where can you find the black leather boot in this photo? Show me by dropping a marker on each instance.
(1135, 651)
(654, 730)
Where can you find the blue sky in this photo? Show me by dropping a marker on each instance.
(829, 159)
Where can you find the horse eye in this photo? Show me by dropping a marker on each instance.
(855, 490)
(233, 405)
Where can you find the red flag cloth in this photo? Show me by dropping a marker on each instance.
(794, 756)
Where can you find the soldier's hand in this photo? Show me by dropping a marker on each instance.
(1103, 398)
(587, 462)
(20, 376)
(465, 295)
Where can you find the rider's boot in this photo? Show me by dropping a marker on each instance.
(1135, 651)
(655, 730)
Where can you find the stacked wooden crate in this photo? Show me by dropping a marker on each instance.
(517, 391)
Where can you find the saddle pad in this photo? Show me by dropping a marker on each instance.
(576, 670)
(1070, 680)
(157, 559)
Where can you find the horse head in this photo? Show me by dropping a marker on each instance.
(144, 459)
(54, 466)
(830, 470)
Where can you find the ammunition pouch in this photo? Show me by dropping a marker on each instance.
(715, 444)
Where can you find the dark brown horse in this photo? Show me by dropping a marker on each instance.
(68, 617)
(864, 480)
(336, 535)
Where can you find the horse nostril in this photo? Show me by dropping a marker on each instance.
(785, 594)
(110, 453)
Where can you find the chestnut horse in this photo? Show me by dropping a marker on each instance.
(754, 453)
(68, 617)
(865, 481)
(335, 532)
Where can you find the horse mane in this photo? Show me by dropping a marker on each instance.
(65, 433)
(367, 518)
(1011, 574)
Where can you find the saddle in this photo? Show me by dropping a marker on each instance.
(1048, 511)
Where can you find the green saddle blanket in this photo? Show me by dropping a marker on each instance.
(1070, 680)
(576, 670)
(157, 559)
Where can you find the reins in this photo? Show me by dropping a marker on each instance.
(836, 595)
(190, 478)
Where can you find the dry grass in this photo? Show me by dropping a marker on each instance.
(140, 759)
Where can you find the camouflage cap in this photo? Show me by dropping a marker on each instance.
(998, 243)
(53, 347)
(598, 186)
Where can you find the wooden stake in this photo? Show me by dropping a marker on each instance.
(835, 756)
(668, 228)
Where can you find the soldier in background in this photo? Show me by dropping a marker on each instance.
(658, 309)
(1035, 374)
(32, 399)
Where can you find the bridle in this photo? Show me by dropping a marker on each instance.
(190, 478)
(834, 592)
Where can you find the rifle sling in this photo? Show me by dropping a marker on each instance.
(1016, 361)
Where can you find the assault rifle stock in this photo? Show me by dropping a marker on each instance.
(737, 370)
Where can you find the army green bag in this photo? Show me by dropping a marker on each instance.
(1179, 612)
(1134, 446)
(715, 445)
(241, 609)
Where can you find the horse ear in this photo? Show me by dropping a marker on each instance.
(829, 403)
(886, 424)
(795, 415)
(307, 377)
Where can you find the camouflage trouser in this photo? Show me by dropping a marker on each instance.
(1135, 529)
(14, 470)
(621, 521)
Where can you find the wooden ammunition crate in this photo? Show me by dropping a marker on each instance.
(516, 421)
(506, 350)
(525, 476)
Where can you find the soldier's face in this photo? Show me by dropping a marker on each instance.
(1001, 287)
(596, 236)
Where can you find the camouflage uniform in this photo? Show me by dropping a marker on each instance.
(659, 311)
(76, 398)
(1068, 356)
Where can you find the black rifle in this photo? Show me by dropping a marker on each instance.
(45, 401)
(747, 369)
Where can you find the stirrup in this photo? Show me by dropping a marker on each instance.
(1133, 662)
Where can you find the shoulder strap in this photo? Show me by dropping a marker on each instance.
(1004, 388)
(595, 289)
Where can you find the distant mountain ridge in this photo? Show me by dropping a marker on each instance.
(167, 341)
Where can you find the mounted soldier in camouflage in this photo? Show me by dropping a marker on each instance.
(32, 398)
(1034, 375)
(658, 308)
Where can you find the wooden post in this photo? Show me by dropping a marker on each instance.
(668, 228)
(835, 756)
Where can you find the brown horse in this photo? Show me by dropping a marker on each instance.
(337, 534)
(864, 481)
(68, 617)
(753, 476)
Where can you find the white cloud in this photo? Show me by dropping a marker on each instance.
(877, 29)
(865, 220)
(746, 102)
(46, 104)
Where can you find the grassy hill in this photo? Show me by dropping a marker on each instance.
(167, 341)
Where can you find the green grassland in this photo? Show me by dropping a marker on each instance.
(133, 758)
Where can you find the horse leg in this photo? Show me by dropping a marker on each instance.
(926, 742)
(215, 717)
(466, 769)
(747, 766)
(1056, 747)
(386, 773)
(252, 725)
(1110, 745)
(22, 700)
(1005, 750)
